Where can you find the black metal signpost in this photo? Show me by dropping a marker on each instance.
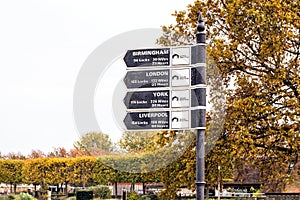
(171, 96)
(200, 137)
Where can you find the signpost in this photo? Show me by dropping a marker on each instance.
(165, 79)
(167, 91)
(200, 137)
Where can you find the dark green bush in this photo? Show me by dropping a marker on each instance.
(71, 194)
(84, 195)
(11, 196)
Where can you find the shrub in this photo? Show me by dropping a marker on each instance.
(133, 196)
(71, 194)
(25, 196)
(101, 191)
(84, 195)
(11, 196)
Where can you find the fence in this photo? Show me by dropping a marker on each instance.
(283, 196)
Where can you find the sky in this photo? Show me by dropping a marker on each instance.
(43, 45)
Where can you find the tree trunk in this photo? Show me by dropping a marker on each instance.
(35, 192)
(61, 188)
(66, 192)
(116, 189)
(144, 188)
(132, 186)
(207, 191)
(10, 188)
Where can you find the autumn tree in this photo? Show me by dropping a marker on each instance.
(15, 156)
(11, 172)
(82, 170)
(35, 171)
(36, 154)
(61, 172)
(256, 47)
(58, 152)
(73, 153)
(94, 143)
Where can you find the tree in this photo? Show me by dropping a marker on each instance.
(95, 143)
(15, 156)
(256, 46)
(82, 169)
(137, 141)
(75, 153)
(35, 170)
(59, 152)
(2, 156)
(36, 154)
(11, 172)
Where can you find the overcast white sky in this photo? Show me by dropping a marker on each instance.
(43, 44)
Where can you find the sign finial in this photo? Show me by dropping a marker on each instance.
(200, 26)
(200, 36)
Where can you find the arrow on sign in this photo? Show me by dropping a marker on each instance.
(147, 57)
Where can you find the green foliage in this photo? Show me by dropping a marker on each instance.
(25, 196)
(137, 142)
(94, 141)
(11, 196)
(152, 150)
(84, 195)
(133, 196)
(101, 191)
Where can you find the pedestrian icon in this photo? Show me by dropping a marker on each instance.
(181, 56)
(180, 77)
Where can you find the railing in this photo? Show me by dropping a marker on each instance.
(283, 196)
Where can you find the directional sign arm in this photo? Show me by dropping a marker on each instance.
(147, 57)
